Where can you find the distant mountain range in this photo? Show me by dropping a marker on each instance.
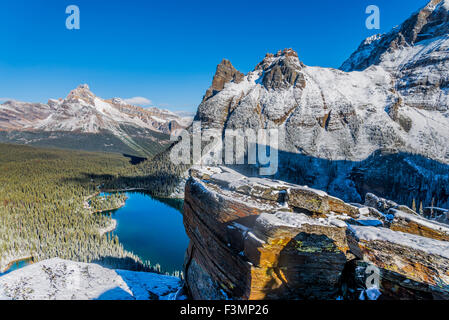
(85, 121)
(380, 123)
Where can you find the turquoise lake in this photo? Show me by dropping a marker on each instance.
(153, 229)
(15, 266)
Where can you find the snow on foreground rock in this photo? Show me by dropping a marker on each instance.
(256, 238)
(58, 279)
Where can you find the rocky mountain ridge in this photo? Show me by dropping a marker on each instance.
(389, 100)
(254, 238)
(82, 111)
(114, 124)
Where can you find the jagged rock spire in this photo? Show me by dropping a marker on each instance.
(282, 70)
(224, 74)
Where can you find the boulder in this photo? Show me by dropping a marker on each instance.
(411, 266)
(418, 225)
(254, 238)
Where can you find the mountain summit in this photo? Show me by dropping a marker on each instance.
(225, 73)
(429, 23)
(112, 125)
(389, 99)
(81, 92)
(416, 54)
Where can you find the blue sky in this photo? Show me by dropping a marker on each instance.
(167, 51)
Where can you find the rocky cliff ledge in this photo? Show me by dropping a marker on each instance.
(254, 238)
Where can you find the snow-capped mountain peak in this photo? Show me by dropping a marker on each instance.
(281, 70)
(82, 92)
(84, 114)
(83, 111)
(399, 103)
(431, 22)
(389, 100)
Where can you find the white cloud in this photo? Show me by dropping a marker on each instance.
(140, 101)
(5, 99)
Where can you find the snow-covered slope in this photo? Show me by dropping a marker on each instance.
(328, 113)
(102, 125)
(18, 115)
(57, 279)
(337, 127)
(417, 55)
(84, 112)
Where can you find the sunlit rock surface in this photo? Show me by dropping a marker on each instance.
(254, 238)
(378, 124)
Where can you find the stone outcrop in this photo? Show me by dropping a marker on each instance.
(402, 218)
(412, 267)
(254, 238)
(224, 74)
(418, 225)
(282, 73)
(381, 129)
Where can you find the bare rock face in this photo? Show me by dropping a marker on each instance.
(247, 243)
(295, 259)
(282, 73)
(224, 74)
(412, 267)
(386, 106)
(254, 238)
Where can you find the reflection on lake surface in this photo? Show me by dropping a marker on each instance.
(153, 230)
(150, 228)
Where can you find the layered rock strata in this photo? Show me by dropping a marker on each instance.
(254, 238)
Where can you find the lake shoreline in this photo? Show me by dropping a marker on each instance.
(9, 264)
(113, 226)
(109, 228)
(87, 206)
(140, 225)
(5, 266)
(172, 196)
